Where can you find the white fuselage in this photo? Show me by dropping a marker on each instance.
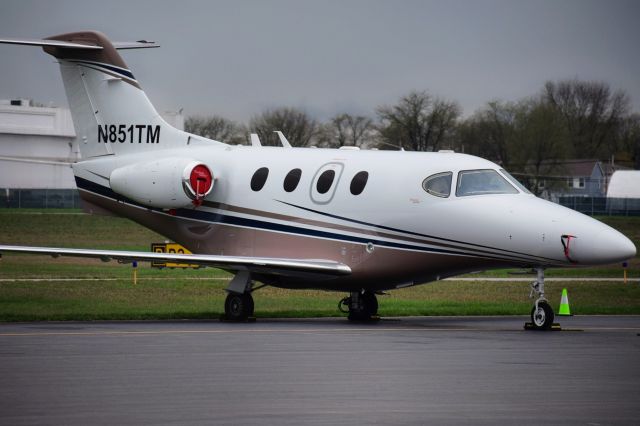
(392, 234)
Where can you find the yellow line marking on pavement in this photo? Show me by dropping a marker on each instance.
(284, 331)
(253, 330)
(613, 328)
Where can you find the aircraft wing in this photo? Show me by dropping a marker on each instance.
(262, 265)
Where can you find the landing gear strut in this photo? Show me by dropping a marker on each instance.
(541, 314)
(361, 306)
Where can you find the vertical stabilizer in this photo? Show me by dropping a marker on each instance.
(111, 113)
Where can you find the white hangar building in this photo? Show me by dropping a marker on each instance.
(37, 147)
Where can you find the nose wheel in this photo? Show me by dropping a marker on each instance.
(542, 315)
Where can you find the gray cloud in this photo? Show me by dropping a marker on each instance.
(235, 58)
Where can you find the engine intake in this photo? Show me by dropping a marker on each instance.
(198, 184)
(167, 183)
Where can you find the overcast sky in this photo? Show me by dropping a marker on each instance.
(236, 58)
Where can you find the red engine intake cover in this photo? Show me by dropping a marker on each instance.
(201, 180)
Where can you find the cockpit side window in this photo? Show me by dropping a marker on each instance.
(480, 182)
(438, 184)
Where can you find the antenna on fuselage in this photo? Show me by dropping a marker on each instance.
(255, 140)
(283, 140)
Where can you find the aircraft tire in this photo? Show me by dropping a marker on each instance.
(542, 319)
(370, 304)
(250, 303)
(238, 307)
(368, 308)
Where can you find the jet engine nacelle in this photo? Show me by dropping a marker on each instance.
(167, 183)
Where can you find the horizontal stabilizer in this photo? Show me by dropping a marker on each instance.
(140, 44)
(119, 45)
(264, 265)
(53, 43)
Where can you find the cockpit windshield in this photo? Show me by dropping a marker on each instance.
(515, 181)
(480, 182)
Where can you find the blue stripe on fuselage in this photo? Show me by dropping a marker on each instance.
(387, 228)
(270, 226)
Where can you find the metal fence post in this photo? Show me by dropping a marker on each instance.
(626, 207)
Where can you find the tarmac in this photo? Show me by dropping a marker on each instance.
(420, 370)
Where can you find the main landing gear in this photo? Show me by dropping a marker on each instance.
(238, 306)
(541, 314)
(361, 306)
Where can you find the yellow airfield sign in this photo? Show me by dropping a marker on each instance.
(171, 248)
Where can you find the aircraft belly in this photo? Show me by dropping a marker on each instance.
(379, 268)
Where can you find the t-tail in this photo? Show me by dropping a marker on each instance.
(114, 120)
(111, 113)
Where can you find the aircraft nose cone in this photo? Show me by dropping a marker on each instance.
(615, 246)
(608, 246)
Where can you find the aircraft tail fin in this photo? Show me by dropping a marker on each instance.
(111, 113)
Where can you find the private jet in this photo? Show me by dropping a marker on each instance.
(345, 220)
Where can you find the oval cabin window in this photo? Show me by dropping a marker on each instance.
(325, 181)
(291, 180)
(358, 182)
(259, 178)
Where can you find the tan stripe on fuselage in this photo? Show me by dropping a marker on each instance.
(330, 225)
(382, 269)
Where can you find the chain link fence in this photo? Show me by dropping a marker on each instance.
(39, 198)
(602, 206)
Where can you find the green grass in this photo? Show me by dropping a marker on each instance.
(189, 298)
(166, 294)
(13, 212)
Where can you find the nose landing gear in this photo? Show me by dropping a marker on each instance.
(541, 314)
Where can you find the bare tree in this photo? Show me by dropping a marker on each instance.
(630, 138)
(418, 122)
(346, 129)
(490, 133)
(541, 138)
(591, 112)
(214, 127)
(297, 126)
